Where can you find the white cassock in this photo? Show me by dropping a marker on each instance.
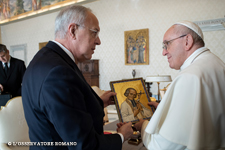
(191, 115)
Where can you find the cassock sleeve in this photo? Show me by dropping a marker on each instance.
(156, 141)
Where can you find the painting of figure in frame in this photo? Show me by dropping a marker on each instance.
(136, 45)
(132, 100)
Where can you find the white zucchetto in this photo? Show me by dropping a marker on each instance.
(193, 27)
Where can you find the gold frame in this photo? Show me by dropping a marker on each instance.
(120, 87)
(136, 44)
(41, 45)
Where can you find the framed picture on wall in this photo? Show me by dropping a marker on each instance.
(136, 43)
(131, 100)
(43, 44)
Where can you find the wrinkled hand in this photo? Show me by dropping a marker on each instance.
(155, 104)
(1, 87)
(125, 129)
(107, 98)
(138, 125)
(120, 124)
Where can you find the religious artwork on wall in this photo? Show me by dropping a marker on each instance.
(4, 9)
(11, 10)
(49, 2)
(131, 100)
(136, 43)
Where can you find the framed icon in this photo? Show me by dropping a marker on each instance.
(136, 43)
(132, 100)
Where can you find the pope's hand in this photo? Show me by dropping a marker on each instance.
(138, 125)
(155, 104)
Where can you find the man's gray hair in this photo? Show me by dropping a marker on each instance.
(71, 14)
(3, 48)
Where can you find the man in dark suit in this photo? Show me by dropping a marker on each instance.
(11, 73)
(59, 104)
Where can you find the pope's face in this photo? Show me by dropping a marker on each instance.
(132, 94)
(175, 49)
(4, 56)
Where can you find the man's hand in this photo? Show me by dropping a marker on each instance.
(1, 88)
(138, 125)
(125, 129)
(155, 104)
(120, 124)
(107, 98)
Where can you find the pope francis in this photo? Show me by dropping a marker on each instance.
(191, 115)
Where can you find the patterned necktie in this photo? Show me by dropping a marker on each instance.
(6, 68)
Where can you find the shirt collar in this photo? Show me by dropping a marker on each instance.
(65, 50)
(8, 63)
(192, 57)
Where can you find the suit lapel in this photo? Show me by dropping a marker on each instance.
(2, 71)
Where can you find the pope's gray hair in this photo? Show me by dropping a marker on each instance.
(72, 14)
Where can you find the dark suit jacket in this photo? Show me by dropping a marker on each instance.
(60, 106)
(12, 82)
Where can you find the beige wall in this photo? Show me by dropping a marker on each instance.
(117, 16)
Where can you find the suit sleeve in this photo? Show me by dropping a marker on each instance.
(65, 104)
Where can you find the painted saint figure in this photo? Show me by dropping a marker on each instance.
(130, 45)
(141, 49)
(132, 109)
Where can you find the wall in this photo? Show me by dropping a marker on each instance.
(117, 16)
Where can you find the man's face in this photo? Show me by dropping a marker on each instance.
(132, 94)
(4, 56)
(175, 49)
(86, 39)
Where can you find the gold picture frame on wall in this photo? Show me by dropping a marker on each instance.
(131, 100)
(41, 45)
(136, 47)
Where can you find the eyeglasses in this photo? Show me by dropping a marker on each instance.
(95, 32)
(166, 43)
